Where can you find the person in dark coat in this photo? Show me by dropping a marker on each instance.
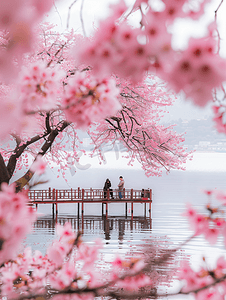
(107, 186)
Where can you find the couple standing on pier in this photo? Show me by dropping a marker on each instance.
(107, 186)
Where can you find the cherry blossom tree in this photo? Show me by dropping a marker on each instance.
(58, 97)
(101, 84)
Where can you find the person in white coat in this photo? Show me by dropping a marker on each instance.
(121, 186)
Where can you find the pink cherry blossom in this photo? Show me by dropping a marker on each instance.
(114, 47)
(39, 87)
(38, 166)
(58, 251)
(198, 70)
(16, 219)
(9, 110)
(89, 253)
(17, 27)
(220, 118)
(87, 99)
(221, 196)
(211, 235)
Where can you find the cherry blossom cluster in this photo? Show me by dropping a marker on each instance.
(9, 110)
(39, 87)
(68, 267)
(16, 218)
(220, 117)
(198, 70)
(33, 270)
(205, 283)
(88, 99)
(212, 224)
(38, 166)
(17, 21)
(115, 49)
(129, 52)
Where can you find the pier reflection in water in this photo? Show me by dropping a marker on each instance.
(96, 225)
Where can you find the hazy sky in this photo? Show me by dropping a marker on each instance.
(185, 110)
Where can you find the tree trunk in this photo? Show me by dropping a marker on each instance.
(22, 181)
(4, 174)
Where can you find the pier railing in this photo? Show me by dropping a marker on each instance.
(84, 196)
(79, 195)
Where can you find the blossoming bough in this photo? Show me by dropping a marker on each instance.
(71, 82)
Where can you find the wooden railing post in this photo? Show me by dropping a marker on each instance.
(78, 192)
(53, 194)
(131, 195)
(83, 193)
(108, 194)
(49, 192)
(71, 195)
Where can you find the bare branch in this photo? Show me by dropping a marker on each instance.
(69, 11)
(81, 18)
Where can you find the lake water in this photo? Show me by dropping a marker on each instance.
(166, 228)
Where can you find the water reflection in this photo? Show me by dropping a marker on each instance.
(96, 224)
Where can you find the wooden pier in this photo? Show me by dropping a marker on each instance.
(89, 196)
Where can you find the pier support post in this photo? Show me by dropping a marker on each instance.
(82, 223)
(150, 209)
(78, 209)
(78, 226)
(145, 212)
(83, 193)
(150, 196)
(56, 202)
(126, 209)
(106, 210)
(53, 210)
(131, 197)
